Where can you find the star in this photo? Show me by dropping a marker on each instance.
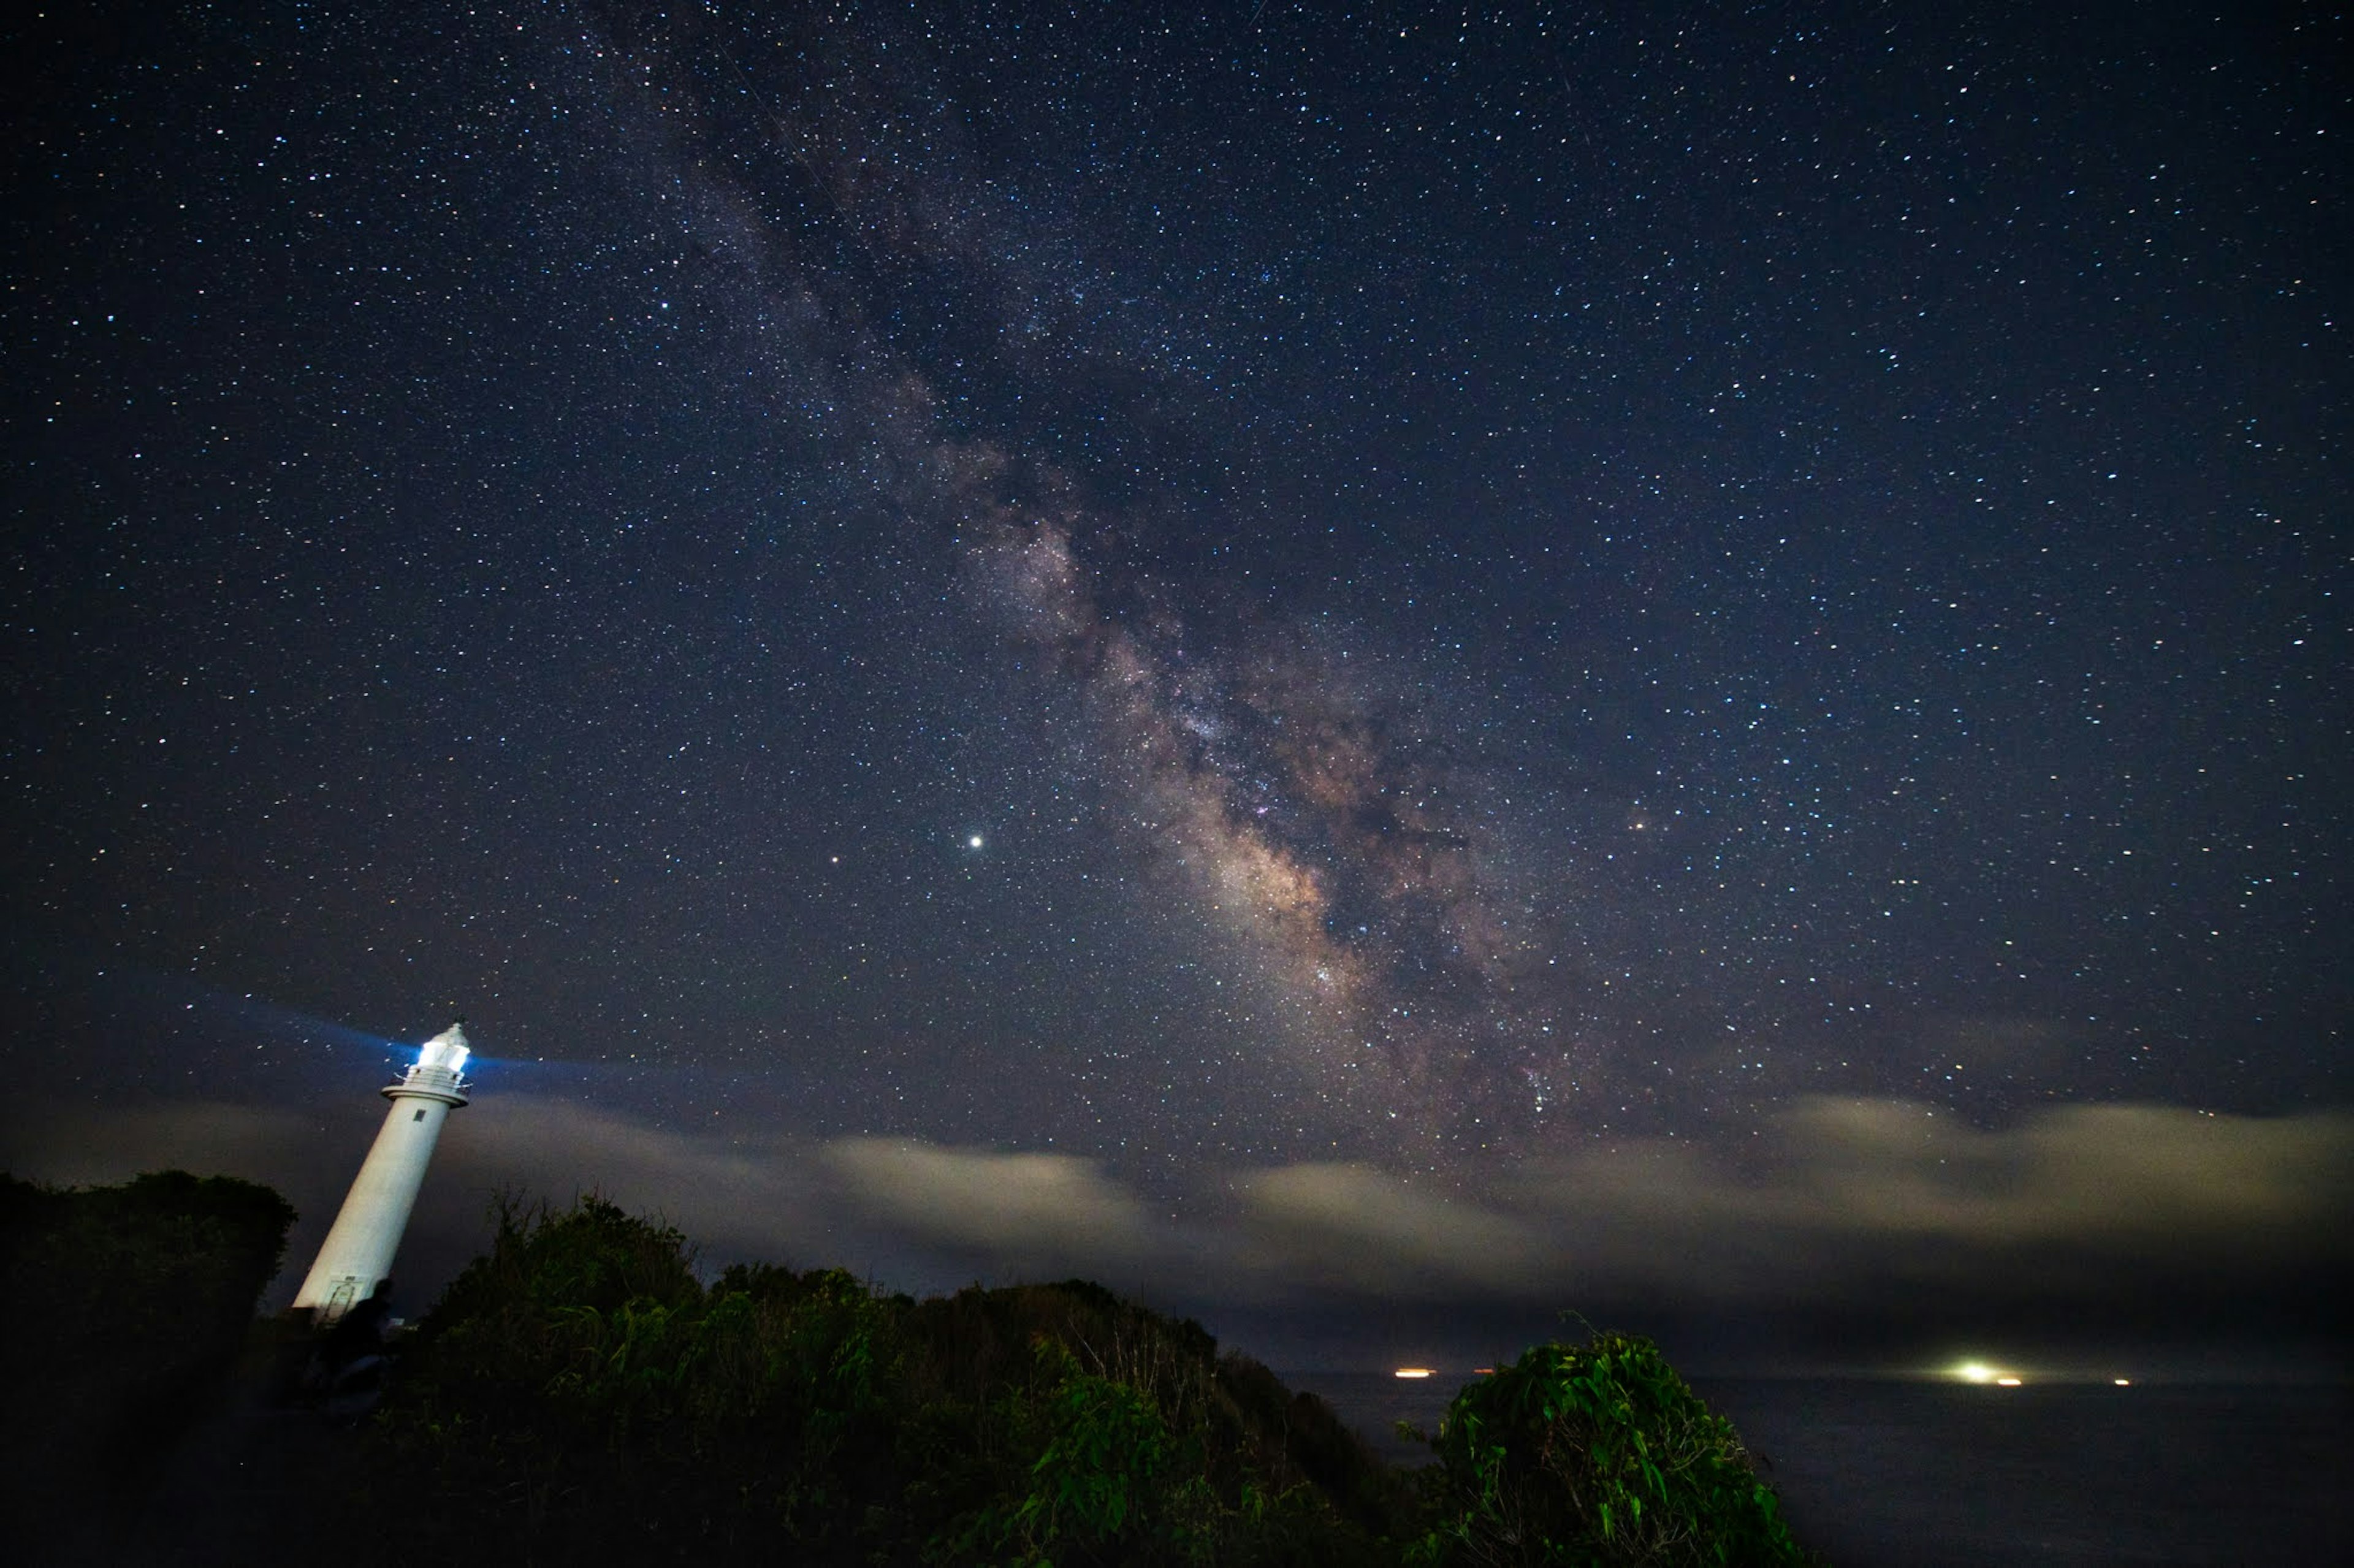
(1322, 566)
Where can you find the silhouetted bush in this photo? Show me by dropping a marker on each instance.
(120, 1311)
(577, 1397)
(1596, 1453)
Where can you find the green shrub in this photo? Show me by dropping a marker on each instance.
(578, 1396)
(1596, 1453)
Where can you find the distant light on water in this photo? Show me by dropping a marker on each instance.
(2125, 1382)
(1980, 1373)
(1413, 1371)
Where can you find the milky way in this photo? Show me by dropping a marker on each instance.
(1292, 780)
(1422, 591)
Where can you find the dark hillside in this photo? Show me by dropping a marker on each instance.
(121, 1310)
(578, 1396)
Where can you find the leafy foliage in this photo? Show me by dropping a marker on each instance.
(578, 1396)
(1596, 1453)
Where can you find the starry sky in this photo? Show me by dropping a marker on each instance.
(1362, 667)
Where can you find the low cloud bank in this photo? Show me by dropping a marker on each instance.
(1835, 1202)
(1841, 1193)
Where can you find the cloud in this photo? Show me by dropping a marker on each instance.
(1033, 1209)
(753, 1197)
(1841, 1195)
(1843, 1204)
(1842, 1190)
(1360, 1228)
(2132, 1176)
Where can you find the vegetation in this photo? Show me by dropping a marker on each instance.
(578, 1396)
(120, 1311)
(1591, 1454)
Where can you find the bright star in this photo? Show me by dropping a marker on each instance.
(974, 842)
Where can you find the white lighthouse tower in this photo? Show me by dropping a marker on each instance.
(357, 1253)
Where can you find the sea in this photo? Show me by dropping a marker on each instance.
(1887, 1473)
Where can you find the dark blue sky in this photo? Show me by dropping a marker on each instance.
(1498, 592)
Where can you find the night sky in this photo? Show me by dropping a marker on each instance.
(1363, 667)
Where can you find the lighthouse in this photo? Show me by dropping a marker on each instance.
(358, 1254)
